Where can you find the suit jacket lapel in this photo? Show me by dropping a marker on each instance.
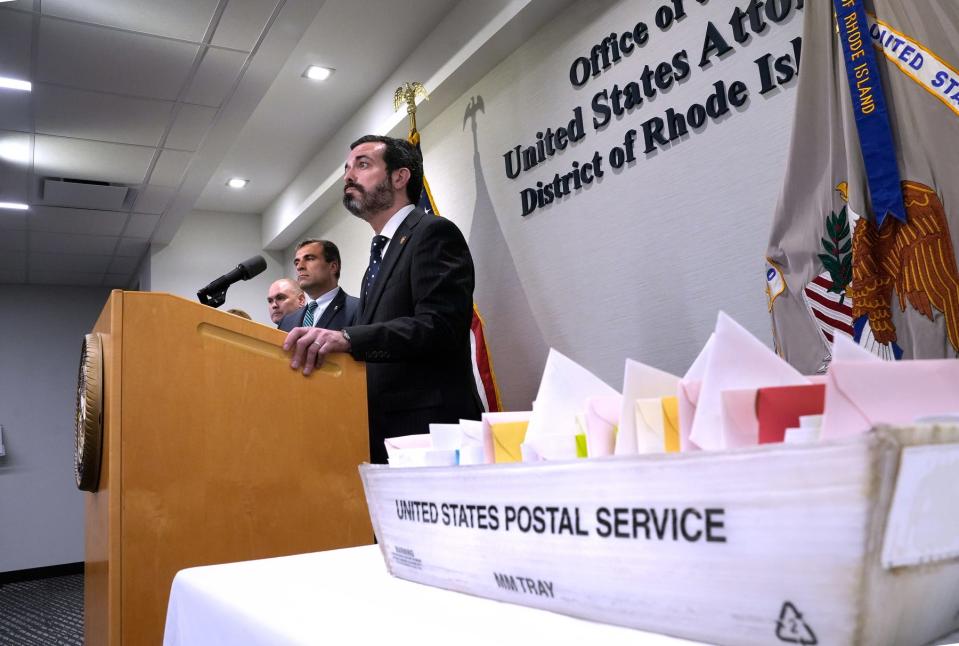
(335, 306)
(393, 253)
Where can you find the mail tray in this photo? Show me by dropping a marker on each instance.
(848, 542)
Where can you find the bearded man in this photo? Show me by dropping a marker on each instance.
(416, 301)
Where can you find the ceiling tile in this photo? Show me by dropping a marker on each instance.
(103, 117)
(215, 77)
(44, 277)
(57, 219)
(135, 247)
(15, 276)
(15, 37)
(13, 241)
(241, 23)
(90, 160)
(154, 199)
(12, 220)
(68, 263)
(13, 261)
(141, 225)
(123, 264)
(46, 242)
(186, 19)
(15, 111)
(170, 168)
(190, 127)
(119, 281)
(79, 55)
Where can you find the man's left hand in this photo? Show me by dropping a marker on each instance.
(310, 345)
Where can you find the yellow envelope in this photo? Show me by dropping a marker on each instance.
(507, 436)
(671, 424)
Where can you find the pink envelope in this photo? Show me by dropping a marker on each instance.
(740, 423)
(862, 394)
(687, 394)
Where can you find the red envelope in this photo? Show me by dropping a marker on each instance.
(780, 407)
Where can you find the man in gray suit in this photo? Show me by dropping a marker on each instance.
(317, 265)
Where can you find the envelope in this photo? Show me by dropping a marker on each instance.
(671, 424)
(488, 419)
(418, 451)
(562, 394)
(780, 408)
(688, 394)
(554, 447)
(446, 436)
(472, 434)
(740, 422)
(403, 442)
(507, 436)
(602, 420)
(862, 394)
(737, 360)
(650, 424)
(641, 382)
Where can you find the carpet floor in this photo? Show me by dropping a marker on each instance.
(43, 612)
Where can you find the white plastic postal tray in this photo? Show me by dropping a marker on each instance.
(853, 542)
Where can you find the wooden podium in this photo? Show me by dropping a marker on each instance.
(214, 451)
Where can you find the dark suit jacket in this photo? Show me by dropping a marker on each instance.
(413, 332)
(341, 312)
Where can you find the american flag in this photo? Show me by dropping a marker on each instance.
(482, 363)
(832, 311)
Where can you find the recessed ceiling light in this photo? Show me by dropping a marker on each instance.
(15, 84)
(16, 206)
(15, 151)
(317, 73)
(237, 182)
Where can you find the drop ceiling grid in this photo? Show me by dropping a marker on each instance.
(134, 118)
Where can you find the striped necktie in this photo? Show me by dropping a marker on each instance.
(308, 317)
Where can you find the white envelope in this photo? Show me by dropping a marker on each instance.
(737, 360)
(602, 419)
(650, 425)
(562, 394)
(642, 382)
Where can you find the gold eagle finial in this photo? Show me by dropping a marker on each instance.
(408, 93)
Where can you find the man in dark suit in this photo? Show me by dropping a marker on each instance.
(413, 328)
(317, 264)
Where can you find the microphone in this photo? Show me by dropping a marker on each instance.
(214, 294)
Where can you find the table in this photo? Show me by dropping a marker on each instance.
(347, 596)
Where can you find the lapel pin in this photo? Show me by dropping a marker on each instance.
(403, 239)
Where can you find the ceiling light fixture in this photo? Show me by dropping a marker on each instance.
(16, 206)
(317, 73)
(15, 84)
(237, 182)
(15, 151)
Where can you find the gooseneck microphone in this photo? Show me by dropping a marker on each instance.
(214, 294)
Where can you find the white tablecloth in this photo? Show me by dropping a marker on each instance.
(347, 596)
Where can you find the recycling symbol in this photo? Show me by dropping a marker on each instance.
(792, 628)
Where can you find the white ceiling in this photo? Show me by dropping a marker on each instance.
(170, 98)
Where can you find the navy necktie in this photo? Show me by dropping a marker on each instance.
(376, 260)
(308, 317)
